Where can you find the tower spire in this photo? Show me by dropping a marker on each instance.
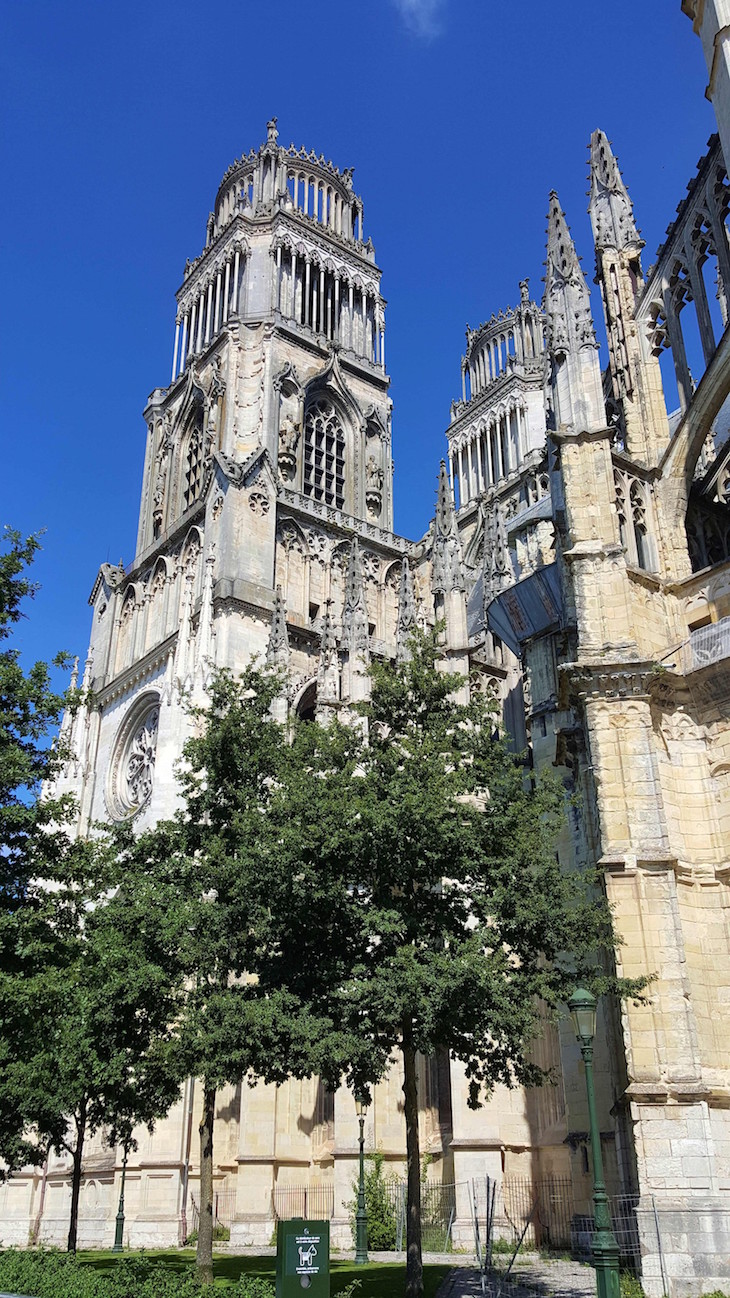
(611, 211)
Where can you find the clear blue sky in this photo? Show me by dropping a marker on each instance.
(458, 116)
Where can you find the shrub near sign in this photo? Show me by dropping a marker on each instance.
(303, 1258)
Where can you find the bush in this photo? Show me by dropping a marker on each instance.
(382, 1220)
(221, 1234)
(49, 1274)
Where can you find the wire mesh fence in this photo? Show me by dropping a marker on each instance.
(540, 1214)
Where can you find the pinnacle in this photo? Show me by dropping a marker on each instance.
(561, 251)
(278, 646)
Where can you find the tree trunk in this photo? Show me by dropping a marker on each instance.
(78, 1154)
(414, 1259)
(204, 1256)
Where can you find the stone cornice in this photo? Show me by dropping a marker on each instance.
(578, 436)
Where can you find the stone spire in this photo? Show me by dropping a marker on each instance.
(567, 300)
(406, 613)
(612, 215)
(277, 653)
(448, 569)
(577, 391)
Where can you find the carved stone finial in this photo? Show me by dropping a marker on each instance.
(612, 215)
(272, 134)
(406, 613)
(328, 670)
(277, 653)
(355, 630)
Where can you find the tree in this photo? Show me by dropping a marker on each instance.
(99, 1003)
(209, 875)
(468, 932)
(29, 709)
(84, 1003)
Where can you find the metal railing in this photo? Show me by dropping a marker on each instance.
(315, 1202)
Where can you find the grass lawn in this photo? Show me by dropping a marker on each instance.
(379, 1279)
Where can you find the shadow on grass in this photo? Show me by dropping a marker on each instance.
(378, 1280)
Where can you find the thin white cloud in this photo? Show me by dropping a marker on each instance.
(422, 17)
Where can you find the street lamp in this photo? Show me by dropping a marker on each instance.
(582, 1006)
(361, 1216)
(119, 1229)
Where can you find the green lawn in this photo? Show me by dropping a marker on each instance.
(379, 1279)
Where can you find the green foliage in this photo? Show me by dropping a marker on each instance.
(379, 1205)
(84, 999)
(631, 1287)
(48, 1274)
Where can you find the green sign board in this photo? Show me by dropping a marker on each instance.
(303, 1258)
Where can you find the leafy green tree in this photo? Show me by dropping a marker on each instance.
(99, 1003)
(30, 708)
(463, 931)
(84, 1002)
(209, 876)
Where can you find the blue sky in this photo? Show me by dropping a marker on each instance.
(458, 116)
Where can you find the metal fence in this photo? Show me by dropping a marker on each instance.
(224, 1208)
(315, 1202)
(540, 1215)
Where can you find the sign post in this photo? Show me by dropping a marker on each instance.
(303, 1258)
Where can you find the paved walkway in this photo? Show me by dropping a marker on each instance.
(531, 1277)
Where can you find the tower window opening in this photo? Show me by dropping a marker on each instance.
(324, 455)
(193, 469)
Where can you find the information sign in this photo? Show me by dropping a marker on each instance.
(303, 1258)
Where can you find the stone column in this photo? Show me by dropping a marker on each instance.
(236, 272)
(217, 312)
(193, 319)
(209, 313)
(226, 289)
(307, 295)
(277, 297)
(174, 351)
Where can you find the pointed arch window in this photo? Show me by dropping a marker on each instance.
(324, 454)
(193, 468)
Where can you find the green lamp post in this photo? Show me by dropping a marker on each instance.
(361, 1216)
(582, 1006)
(119, 1228)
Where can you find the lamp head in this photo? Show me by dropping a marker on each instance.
(582, 1006)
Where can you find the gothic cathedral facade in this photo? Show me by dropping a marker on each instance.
(580, 557)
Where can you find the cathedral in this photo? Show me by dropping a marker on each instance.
(580, 559)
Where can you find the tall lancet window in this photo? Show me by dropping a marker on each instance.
(324, 454)
(193, 468)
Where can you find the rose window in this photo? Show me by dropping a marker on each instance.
(133, 769)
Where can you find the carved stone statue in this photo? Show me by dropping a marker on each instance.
(374, 474)
(374, 479)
